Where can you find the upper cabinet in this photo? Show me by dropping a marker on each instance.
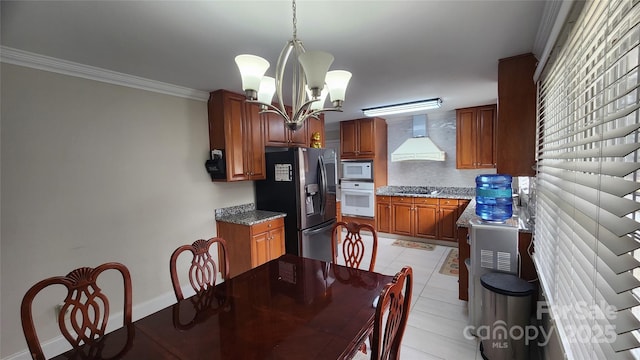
(276, 133)
(516, 131)
(235, 128)
(366, 139)
(475, 137)
(238, 129)
(363, 138)
(315, 125)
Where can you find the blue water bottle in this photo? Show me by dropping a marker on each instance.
(493, 197)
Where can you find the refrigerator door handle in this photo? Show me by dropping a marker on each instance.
(323, 187)
(314, 231)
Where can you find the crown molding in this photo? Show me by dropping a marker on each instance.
(36, 61)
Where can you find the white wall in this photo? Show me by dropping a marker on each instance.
(93, 172)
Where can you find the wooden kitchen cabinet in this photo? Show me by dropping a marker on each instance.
(363, 138)
(315, 125)
(235, 128)
(277, 133)
(267, 243)
(476, 137)
(366, 139)
(414, 216)
(402, 216)
(428, 218)
(249, 246)
(447, 217)
(383, 214)
(516, 127)
(464, 252)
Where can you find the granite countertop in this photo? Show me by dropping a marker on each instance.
(519, 219)
(246, 215)
(428, 191)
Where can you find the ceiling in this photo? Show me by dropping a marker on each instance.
(398, 51)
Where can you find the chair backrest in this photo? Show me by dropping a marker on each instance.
(392, 312)
(353, 248)
(203, 270)
(85, 311)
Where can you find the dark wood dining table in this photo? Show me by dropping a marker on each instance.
(289, 308)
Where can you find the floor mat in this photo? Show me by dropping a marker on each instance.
(451, 264)
(414, 245)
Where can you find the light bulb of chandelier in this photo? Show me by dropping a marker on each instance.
(337, 81)
(266, 90)
(317, 105)
(315, 65)
(252, 69)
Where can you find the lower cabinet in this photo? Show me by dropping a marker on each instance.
(252, 245)
(414, 216)
(359, 220)
(448, 213)
(429, 218)
(383, 213)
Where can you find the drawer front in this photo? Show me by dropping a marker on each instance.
(401, 200)
(449, 202)
(425, 201)
(383, 198)
(267, 225)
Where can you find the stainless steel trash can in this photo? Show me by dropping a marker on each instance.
(506, 311)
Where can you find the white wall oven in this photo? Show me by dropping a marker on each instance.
(357, 198)
(357, 170)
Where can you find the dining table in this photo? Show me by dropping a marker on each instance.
(288, 308)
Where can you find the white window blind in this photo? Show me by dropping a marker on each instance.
(587, 231)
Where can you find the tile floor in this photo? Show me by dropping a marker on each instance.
(436, 318)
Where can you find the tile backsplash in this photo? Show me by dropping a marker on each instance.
(441, 128)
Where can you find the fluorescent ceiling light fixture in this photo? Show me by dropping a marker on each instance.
(404, 107)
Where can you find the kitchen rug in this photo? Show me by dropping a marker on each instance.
(451, 264)
(414, 245)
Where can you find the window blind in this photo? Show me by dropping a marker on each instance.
(587, 232)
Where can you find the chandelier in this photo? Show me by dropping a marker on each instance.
(311, 82)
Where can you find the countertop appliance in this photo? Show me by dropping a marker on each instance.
(357, 170)
(494, 248)
(301, 183)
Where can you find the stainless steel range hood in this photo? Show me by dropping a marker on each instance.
(419, 147)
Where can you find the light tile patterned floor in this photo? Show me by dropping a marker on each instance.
(437, 318)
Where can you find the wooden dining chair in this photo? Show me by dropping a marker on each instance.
(203, 271)
(353, 247)
(392, 312)
(84, 314)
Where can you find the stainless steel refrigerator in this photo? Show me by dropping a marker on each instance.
(301, 182)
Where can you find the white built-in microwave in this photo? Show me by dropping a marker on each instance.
(357, 170)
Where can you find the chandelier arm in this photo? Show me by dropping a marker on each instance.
(280, 67)
(299, 81)
(303, 112)
(316, 113)
(270, 109)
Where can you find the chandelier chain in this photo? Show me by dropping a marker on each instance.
(295, 20)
